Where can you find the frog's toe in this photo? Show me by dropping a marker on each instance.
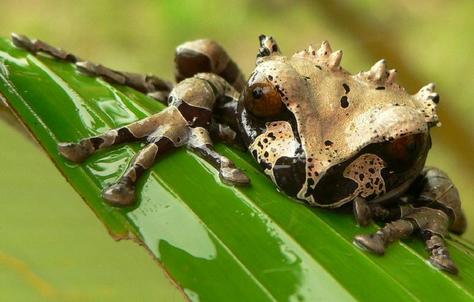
(23, 42)
(108, 74)
(119, 194)
(233, 176)
(76, 152)
(87, 68)
(444, 263)
(370, 242)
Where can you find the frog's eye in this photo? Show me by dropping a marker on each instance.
(262, 100)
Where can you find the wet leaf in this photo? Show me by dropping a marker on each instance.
(217, 242)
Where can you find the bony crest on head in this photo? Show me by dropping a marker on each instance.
(380, 76)
(426, 100)
(268, 48)
(429, 102)
(324, 56)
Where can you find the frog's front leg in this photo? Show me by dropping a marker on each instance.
(436, 208)
(200, 142)
(365, 212)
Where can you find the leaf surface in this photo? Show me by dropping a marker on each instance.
(218, 243)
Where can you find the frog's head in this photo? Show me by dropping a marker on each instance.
(327, 136)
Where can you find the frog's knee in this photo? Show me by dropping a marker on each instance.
(429, 220)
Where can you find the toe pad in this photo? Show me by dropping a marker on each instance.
(119, 195)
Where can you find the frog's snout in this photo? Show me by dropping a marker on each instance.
(403, 153)
(401, 136)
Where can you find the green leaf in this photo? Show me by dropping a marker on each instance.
(219, 243)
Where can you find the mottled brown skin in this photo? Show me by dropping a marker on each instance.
(321, 134)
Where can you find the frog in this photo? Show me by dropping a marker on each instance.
(322, 135)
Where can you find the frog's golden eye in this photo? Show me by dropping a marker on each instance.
(262, 100)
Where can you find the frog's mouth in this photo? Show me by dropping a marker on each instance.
(378, 172)
(403, 159)
(404, 153)
(399, 136)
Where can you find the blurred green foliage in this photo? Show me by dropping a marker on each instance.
(56, 251)
(76, 261)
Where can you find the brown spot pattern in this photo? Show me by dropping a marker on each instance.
(366, 172)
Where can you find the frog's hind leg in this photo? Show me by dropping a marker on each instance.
(438, 191)
(442, 212)
(145, 83)
(35, 46)
(204, 55)
(148, 84)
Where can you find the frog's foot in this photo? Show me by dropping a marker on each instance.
(120, 194)
(444, 262)
(225, 134)
(200, 142)
(433, 225)
(371, 242)
(439, 254)
(76, 152)
(231, 175)
(362, 211)
(392, 231)
(35, 46)
(23, 42)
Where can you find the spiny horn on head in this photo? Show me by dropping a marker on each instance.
(428, 93)
(325, 49)
(334, 59)
(268, 46)
(379, 75)
(392, 76)
(428, 87)
(378, 71)
(324, 56)
(429, 102)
